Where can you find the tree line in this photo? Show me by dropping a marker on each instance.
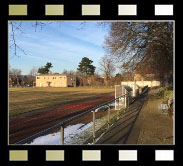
(86, 74)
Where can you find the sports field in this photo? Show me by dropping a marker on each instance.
(23, 100)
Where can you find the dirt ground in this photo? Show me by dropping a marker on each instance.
(27, 124)
(156, 128)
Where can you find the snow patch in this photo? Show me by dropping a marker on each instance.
(73, 134)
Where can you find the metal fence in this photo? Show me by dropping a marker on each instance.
(93, 110)
(125, 97)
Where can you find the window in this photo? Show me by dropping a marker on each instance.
(60, 78)
(54, 78)
(38, 77)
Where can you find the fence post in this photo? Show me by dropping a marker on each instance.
(140, 90)
(118, 110)
(94, 127)
(108, 117)
(62, 135)
(125, 99)
(118, 104)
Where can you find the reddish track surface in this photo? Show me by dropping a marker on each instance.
(27, 124)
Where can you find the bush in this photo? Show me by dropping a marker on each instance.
(161, 92)
(166, 93)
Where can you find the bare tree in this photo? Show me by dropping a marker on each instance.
(16, 27)
(107, 66)
(16, 73)
(69, 72)
(131, 43)
(33, 71)
(9, 69)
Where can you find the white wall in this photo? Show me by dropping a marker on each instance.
(141, 83)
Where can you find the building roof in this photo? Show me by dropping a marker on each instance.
(53, 75)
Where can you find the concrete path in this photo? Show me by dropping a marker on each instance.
(155, 128)
(141, 124)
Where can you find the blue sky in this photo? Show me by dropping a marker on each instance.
(63, 44)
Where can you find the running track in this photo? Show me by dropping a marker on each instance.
(27, 124)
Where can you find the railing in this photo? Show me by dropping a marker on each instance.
(61, 125)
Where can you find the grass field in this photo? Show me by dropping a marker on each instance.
(23, 100)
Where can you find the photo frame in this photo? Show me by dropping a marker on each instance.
(14, 154)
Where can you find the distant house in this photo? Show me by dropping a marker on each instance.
(95, 80)
(55, 80)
